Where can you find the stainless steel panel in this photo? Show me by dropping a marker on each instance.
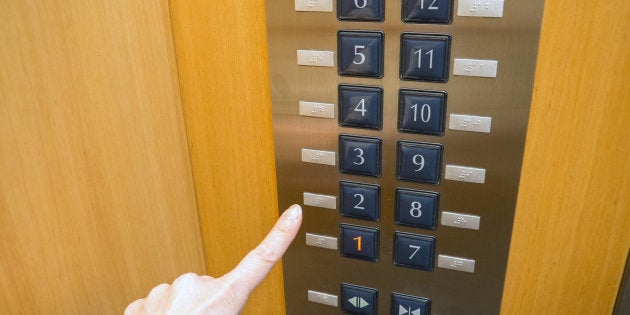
(460, 220)
(456, 263)
(512, 40)
(321, 241)
(486, 8)
(322, 298)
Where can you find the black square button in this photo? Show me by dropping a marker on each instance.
(361, 201)
(416, 208)
(360, 106)
(427, 11)
(421, 111)
(410, 305)
(361, 10)
(358, 300)
(419, 162)
(414, 251)
(424, 57)
(359, 242)
(360, 155)
(360, 53)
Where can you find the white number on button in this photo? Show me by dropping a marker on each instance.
(357, 53)
(425, 112)
(431, 6)
(417, 248)
(359, 204)
(361, 107)
(361, 6)
(419, 53)
(418, 160)
(415, 209)
(360, 157)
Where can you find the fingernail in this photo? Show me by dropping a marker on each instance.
(295, 212)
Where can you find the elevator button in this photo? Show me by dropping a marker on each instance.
(410, 305)
(360, 155)
(421, 111)
(358, 300)
(419, 162)
(360, 53)
(427, 11)
(359, 242)
(414, 251)
(416, 208)
(360, 106)
(361, 201)
(361, 10)
(424, 57)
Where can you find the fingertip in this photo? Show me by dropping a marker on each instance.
(293, 214)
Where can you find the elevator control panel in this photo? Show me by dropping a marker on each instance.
(400, 126)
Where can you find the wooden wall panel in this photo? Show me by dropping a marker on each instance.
(96, 195)
(572, 226)
(222, 60)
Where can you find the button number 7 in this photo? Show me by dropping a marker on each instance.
(417, 248)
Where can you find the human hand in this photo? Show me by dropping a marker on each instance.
(194, 295)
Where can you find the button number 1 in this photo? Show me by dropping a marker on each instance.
(358, 239)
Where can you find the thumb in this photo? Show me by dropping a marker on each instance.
(257, 264)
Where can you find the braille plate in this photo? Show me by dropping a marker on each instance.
(314, 109)
(486, 8)
(314, 5)
(318, 157)
(322, 201)
(460, 220)
(322, 241)
(322, 298)
(316, 58)
(465, 174)
(456, 263)
(475, 68)
(470, 123)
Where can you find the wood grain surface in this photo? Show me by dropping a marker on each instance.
(96, 195)
(221, 51)
(572, 226)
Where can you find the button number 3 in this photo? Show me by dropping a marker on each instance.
(359, 156)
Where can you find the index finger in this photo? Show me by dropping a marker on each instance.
(257, 264)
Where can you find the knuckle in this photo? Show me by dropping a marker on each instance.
(266, 253)
(186, 278)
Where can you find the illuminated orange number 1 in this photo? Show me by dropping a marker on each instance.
(358, 239)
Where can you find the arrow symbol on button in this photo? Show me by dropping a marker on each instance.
(403, 311)
(358, 302)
